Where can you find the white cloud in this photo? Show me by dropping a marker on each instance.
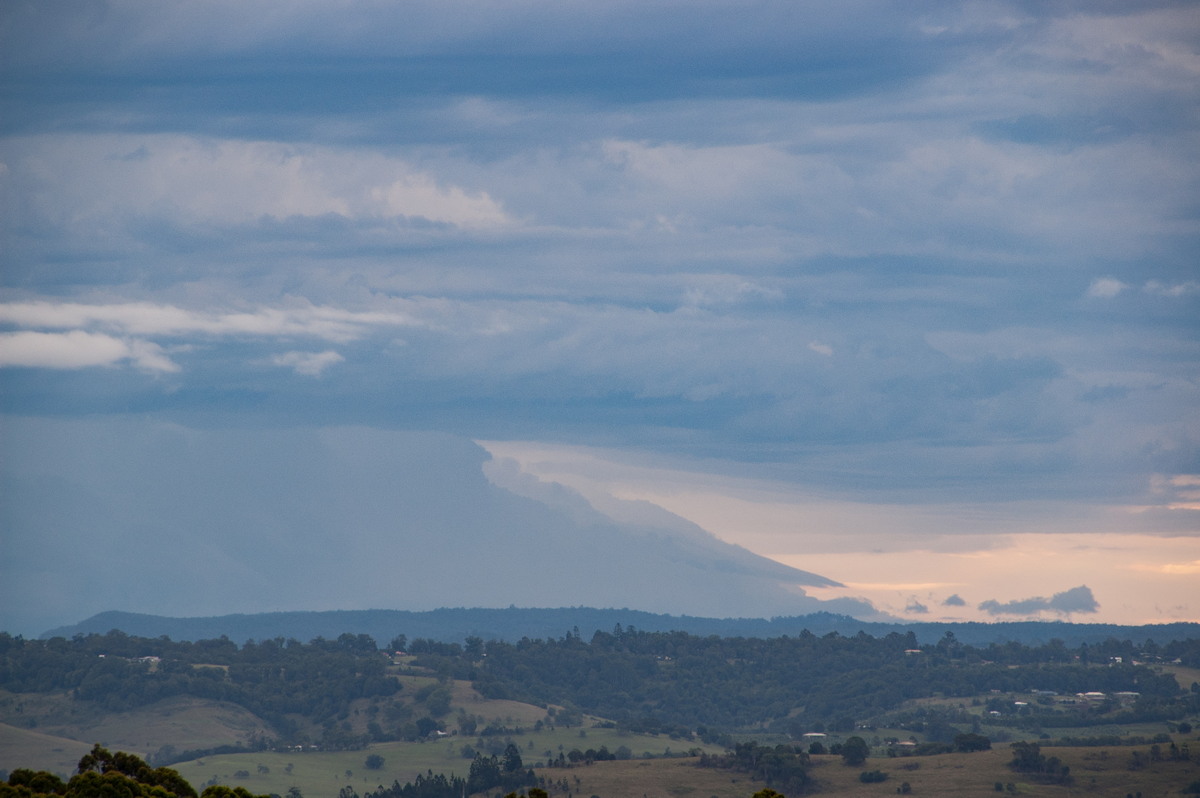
(821, 349)
(418, 195)
(195, 180)
(79, 349)
(723, 290)
(145, 318)
(109, 334)
(1105, 288)
(1179, 289)
(310, 364)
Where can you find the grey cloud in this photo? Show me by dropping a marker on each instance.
(575, 48)
(247, 521)
(916, 607)
(1076, 600)
(773, 252)
(954, 600)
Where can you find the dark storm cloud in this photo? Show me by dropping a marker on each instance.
(347, 517)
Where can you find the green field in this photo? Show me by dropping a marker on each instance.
(324, 773)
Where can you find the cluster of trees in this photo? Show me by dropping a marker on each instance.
(673, 681)
(782, 766)
(487, 773)
(273, 678)
(1029, 760)
(105, 774)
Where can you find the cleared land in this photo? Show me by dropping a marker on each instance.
(1097, 774)
(24, 748)
(324, 773)
(1100, 771)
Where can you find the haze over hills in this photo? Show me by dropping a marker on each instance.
(160, 518)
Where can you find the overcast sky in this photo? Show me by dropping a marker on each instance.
(903, 294)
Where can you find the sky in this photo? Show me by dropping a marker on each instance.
(903, 295)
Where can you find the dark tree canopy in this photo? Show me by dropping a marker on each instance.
(107, 774)
(855, 751)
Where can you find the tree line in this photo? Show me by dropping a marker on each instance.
(659, 682)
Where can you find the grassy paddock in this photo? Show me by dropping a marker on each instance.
(186, 723)
(943, 776)
(321, 774)
(24, 748)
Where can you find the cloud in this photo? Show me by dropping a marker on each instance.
(1105, 288)
(954, 600)
(144, 318)
(288, 497)
(851, 255)
(78, 349)
(196, 181)
(1177, 492)
(310, 364)
(1159, 288)
(1077, 599)
(916, 607)
(1182, 569)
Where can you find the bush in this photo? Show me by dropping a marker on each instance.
(872, 776)
(374, 762)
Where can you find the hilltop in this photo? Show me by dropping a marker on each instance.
(455, 625)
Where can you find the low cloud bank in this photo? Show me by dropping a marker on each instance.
(1077, 599)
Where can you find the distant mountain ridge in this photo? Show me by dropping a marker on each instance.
(513, 623)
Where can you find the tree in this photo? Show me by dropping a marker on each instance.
(512, 759)
(39, 782)
(438, 702)
(223, 791)
(855, 751)
(967, 742)
(374, 762)
(103, 772)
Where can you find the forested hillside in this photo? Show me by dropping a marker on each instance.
(652, 681)
(642, 681)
